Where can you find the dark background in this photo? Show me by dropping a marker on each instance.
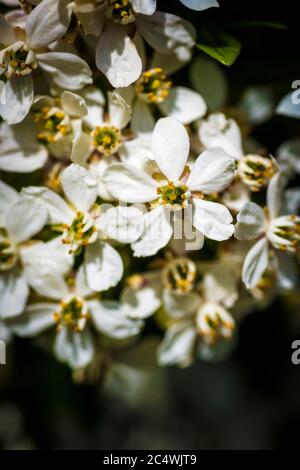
(250, 401)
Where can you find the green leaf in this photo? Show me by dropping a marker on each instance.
(257, 23)
(221, 46)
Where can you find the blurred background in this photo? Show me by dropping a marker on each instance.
(249, 401)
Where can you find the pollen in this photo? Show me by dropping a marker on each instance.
(173, 195)
(121, 11)
(284, 233)
(153, 86)
(256, 171)
(52, 124)
(79, 233)
(106, 139)
(71, 313)
(179, 275)
(214, 323)
(17, 60)
(8, 254)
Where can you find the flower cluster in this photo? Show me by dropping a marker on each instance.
(137, 197)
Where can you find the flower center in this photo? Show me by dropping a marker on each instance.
(71, 313)
(173, 194)
(121, 11)
(80, 233)
(153, 86)
(256, 171)
(179, 275)
(214, 322)
(107, 139)
(284, 233)
(8, 254)
(52, 123)
(17, 60)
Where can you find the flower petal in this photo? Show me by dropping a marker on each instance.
(144, 301)
(212, 219)
(81, 149)
(255, 263)
(156, 234)
(177, 347)
(218, 131)
(74, 348)
(200, 5)
(183, 104)
(275, 195)
(142, 121)
(117, 57)
(18, 99)
(37, 318)
(67, 70)
(47, 22)
(95, 102)
(287, 272)
(119, 111)
(14, 292)
(19, 162)
(137, 152)
(166, 32)
(180, 305)
(8, 196)
(109, 318)
(19, 150)
(170, 147)
(129, 184)
(122, 224)
(250, 222)
(58, 210)
(145, 7)
(73, 104)
(45, 264)
(26, 217)
(212, 171)
(103, 266)
(92, 21)
(79, 187)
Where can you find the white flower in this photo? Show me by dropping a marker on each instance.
(271, 229)
(254, 170)
(23, 50)
(84, 225)
(72, 310)
(218, 131)
(112, 21)
(22, 264)
(199, 321)
(154, 87)
(103, 142)
(96, 146)
(58, 120)
(175, 188)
